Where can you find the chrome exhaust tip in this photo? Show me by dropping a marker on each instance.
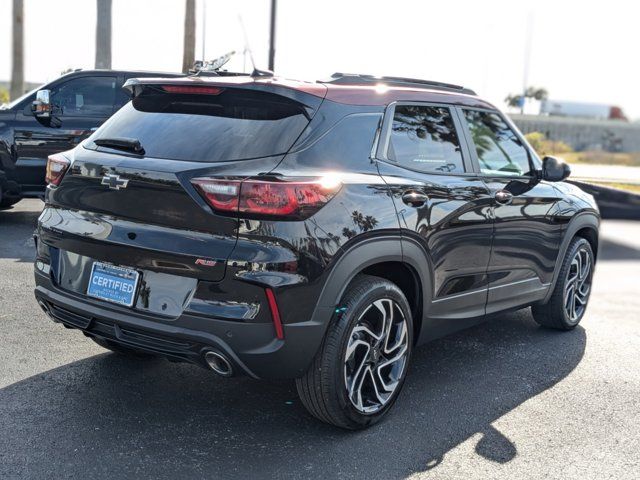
(218, 363)
(45, 308)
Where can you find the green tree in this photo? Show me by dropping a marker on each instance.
(534, 93)
(543, 146)
(4, 96)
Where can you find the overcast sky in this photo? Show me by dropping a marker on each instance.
(581, 50)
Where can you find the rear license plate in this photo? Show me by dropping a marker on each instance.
(113, 284)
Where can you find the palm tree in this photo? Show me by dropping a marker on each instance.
(517, 100)
(189, 50)
(17, 68)
(103, 34)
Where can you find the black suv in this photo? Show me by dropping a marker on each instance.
(53, 118)
(316, 231)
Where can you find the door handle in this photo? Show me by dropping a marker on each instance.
(414, 198)
(503, 197)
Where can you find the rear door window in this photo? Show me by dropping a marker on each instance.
(424, 138)
(235, 124)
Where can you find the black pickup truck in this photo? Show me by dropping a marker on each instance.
(55, 117)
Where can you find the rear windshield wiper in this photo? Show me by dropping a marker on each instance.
(121, 143)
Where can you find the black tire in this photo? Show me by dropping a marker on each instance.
(121, 350)
(323, 389)
(555, 313)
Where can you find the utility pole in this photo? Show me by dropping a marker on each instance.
(272, 36)
(204, 29)
(17, 67)
(189, 47)
(103, 34)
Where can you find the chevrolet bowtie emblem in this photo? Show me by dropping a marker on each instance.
(114, 182)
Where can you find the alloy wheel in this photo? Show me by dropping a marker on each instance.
(376, 356)
(578, 285)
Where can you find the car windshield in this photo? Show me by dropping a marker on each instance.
(232, 124)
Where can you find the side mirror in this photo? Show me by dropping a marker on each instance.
(41, 106)
(554, 170)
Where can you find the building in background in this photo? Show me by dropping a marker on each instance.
(599, 111)
(583, 133)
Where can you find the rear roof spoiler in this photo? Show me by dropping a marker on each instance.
(306, 93)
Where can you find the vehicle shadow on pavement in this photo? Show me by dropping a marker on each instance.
(610, 250)
(16, 232)
(108, 417)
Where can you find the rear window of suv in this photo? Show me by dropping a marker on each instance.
(424, 138)
(235, 124)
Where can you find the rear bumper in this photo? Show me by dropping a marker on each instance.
(185, 306)
(251, 348)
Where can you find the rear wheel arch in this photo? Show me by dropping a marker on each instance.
(405, 277)
(390, 257)
(354, 260)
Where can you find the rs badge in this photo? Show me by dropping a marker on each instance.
(205, 263)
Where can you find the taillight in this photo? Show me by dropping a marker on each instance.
(293, 199)
(57, 166)
(221, 195)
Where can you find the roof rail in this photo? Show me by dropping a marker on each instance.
(339, 78)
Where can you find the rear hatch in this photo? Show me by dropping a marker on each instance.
(128, 197)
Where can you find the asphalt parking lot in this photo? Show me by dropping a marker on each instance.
(506, 399)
